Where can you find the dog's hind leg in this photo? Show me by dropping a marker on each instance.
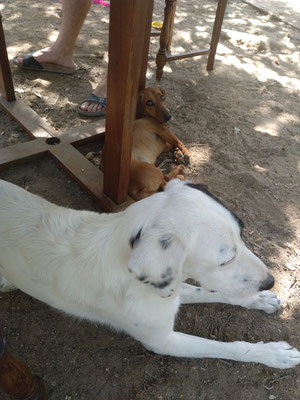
(175, 173)
(5, 285)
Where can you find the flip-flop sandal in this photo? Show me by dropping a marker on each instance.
(29, 62)
(92, 98)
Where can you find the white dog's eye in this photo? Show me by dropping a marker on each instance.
(227, 262)
(232, 253)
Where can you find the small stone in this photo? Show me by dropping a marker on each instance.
(290, 266)
(90, 155)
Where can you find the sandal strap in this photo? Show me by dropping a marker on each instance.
(100, 100)
(30, 62)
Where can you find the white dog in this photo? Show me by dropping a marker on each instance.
(126, 270)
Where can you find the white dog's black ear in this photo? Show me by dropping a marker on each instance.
(157, 260)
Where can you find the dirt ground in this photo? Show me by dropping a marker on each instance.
(241, 123)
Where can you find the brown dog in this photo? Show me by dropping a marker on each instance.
(151, 138)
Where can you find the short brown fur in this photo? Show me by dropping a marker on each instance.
(151, 138)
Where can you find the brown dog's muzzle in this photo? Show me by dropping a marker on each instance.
(168, 117)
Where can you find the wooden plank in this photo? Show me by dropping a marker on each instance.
(86, 174)
(20, 153)
(29, 120)
(6, 82)
(84, 133)
(173, 57)
(127, 34)
(33, 124)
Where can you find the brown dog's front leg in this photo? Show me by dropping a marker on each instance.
(181, 152)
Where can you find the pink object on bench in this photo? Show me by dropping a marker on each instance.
(103, 3)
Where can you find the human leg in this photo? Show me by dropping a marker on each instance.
(61, 51)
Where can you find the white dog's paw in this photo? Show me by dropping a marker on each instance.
(280, 355)
(266, 301)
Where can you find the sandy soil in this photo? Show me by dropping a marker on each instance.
(241, 123)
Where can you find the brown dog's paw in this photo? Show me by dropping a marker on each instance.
(186, 159)
(181, 157)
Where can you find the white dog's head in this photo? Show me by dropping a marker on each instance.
(185, 232)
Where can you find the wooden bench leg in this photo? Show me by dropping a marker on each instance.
(216, 33)
(128, 39)
(164, 41)
(171, 27)
(6, 83)
(16, 379)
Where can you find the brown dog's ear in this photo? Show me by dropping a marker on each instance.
(163, 93)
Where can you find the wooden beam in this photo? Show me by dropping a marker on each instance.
(84, 133)
(6, 82)
(86, 174)
(189, 54)
(20, 153)
(29, 120)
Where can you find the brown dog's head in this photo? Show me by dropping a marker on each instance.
(151, 103)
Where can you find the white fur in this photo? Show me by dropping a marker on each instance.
(82, 263)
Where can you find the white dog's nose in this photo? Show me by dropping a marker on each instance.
(267, 283)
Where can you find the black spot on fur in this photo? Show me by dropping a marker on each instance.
(135, 239)
(162, 284)
(166, 242)
(167, 273)
(142, 278)
(198, 289)
(204, 189)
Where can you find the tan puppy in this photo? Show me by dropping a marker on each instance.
(151, 138)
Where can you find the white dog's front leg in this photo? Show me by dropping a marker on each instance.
(190, 294)
(273, 354)
(265, 300)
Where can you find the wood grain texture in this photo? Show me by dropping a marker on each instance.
(6, 82)
(129, 34)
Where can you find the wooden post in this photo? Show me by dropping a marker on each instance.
(216, 33)
(6, 83)
(127, 37)
(172, 25)
(16, 378)
(161, 57)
